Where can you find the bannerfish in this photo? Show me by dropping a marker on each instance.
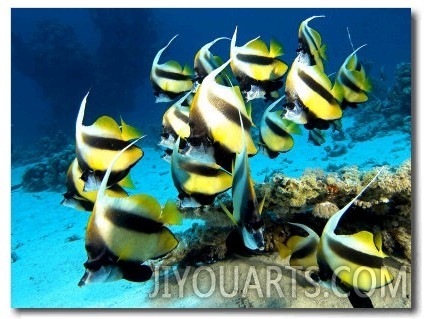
(257, 68)
(246, 210)
(198, 180)
(275, 132)
(124, 232)
(175, 122)
(302, 249)
(169, 80)
(352, 80)
(310, 97)
(98, 144)
(357, 259)
(75, 195)
(213, 116)
(310, 42)
(205, 62)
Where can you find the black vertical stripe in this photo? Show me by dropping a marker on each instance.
(229, 111)
(345, 80)
(354, 256)
(130, 221)
(276, 129)
(255, 59)
(105, 143)
(317, 87)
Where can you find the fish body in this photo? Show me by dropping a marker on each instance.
(75, 195)
(205, 62)
(98, 144)
(310, 42)
(311, 99)
(302, 249)
(213, 116)
(356, 259)
(352, 80)
(275, 132)
(175, 123)
(124, 232)
(198, 180)
(169, 80)
(246, 210)
(257, 67)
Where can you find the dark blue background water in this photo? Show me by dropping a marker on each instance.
(111, 51)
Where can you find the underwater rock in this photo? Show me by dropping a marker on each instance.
(400, 93)
(336, 150)
(50, 173)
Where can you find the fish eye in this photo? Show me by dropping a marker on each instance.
(289, 105)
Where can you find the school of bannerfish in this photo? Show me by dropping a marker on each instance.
(206, 135)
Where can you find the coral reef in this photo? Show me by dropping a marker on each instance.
(49, 173)
(312, 200)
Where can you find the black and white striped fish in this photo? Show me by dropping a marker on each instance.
(75, 195)
(205, 62)
(275, 132)
(310, 43)
(311, 98)
(352, 80)
(124, 232)
(357, 260)
(98, 144)
(197, 179)
(213, 116)
(169, 80)
(257, 67)
(302, 249)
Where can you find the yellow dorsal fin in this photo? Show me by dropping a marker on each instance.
(170, 214)
(187, 70)
(259, 46)
(149, 206)
(228, 213)
(129, 132)
(275, 48)
(173, 66)
(322, 51)
(282, 249)
(127, 182)
(107, 123)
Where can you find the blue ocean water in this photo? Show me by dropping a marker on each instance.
(59, 54)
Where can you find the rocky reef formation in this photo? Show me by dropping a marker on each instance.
(311, 200)
(50, 158)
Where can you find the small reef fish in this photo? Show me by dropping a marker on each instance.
(362, 250)
(302, 249)
(75, 195)
(205, 62)
(310, 43)
(169, 80)
(246, 210)
(98, 144)
(257, 67)
(311, 98)
(175, 122)
(198, 180)
(124, 232)
(275, 132)
(352, 80)
(213, 116)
